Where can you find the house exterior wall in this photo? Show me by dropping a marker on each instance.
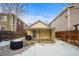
(43, 32)
(74, 16)
(29, 32)
(10, 20)
(61, 22)
(5, 23)
(44, 35)
(12, 23)
(21, 28)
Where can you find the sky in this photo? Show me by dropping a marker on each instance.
(45, 12)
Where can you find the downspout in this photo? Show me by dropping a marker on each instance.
(69, 27)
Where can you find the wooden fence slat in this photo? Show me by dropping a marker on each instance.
(69, 36)
(7, 35)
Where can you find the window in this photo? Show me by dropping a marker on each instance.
(2, 28)
(34, 33)
(3, 18)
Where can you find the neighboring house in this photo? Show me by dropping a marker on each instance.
(66, 24)
(41, 32)
(66, 20)
(11, 23)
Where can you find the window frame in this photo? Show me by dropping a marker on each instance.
(34, 33)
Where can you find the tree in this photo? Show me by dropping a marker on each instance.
(16, 8)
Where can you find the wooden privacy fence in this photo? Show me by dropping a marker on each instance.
(7, 35)
(69, 36)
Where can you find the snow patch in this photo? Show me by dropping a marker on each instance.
(4, 43)
(19, 39)
(59, 48)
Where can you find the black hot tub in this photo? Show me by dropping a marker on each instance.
(16, 45)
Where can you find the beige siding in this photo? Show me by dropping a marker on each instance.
(74, 18)
(39, 25)
(5, 24)
(43, 33)
(61, 22)
(29, 32)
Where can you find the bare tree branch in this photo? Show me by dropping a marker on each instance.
(16, 8)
